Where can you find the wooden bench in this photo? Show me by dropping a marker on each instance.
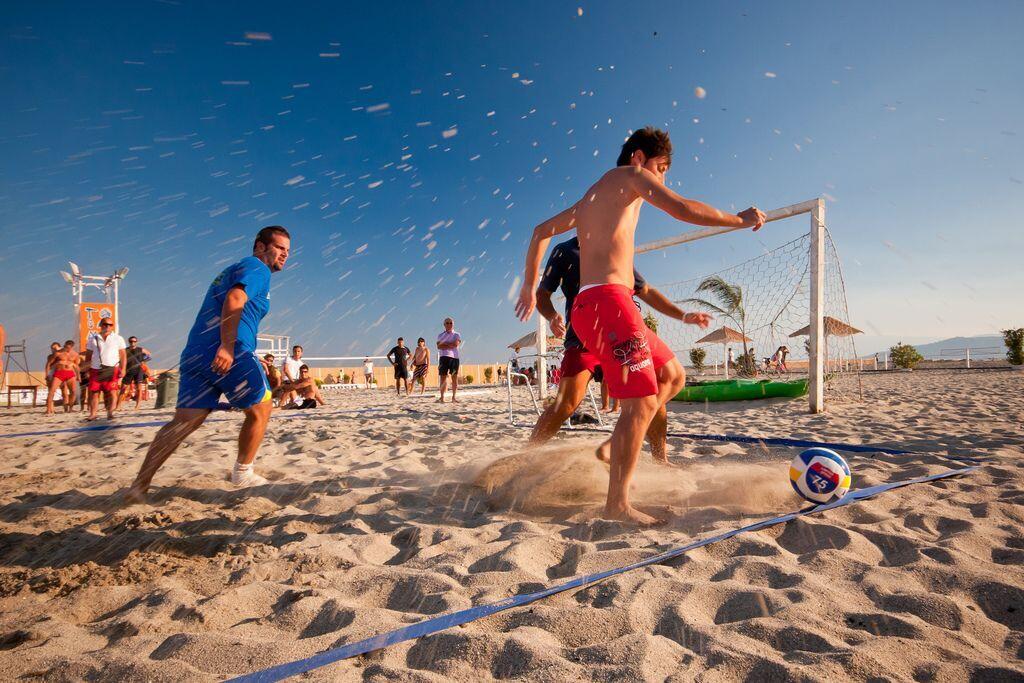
(34, 388)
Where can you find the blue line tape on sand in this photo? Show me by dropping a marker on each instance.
(160, 423)
(801, 443)
(446, 621)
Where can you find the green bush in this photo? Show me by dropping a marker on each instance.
(319, 382)
(746, 364)
(905, 356)
(468, 379)
(346, 378)
(651, 322)
(488, 374)
(697, 356)
(1014, 340)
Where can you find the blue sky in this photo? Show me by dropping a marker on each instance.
(410, 149)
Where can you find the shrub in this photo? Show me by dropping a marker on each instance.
(746, 364)
(697, 356)
(346, 378)
(905, 356)
(651, 322)
(488, 374)
(319, 382)
(1014, 340)
(468, 379)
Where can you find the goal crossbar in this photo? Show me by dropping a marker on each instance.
(816, 209)
(816, 345)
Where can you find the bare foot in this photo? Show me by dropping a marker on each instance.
(440, 400)
(604, 452)
(454, 400)
(630, 514)
(90, 418)
(135, 496)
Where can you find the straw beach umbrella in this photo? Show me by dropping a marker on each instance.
(724, 335)
(529, 340)
(833, 328)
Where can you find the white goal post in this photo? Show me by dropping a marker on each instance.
(816, 262)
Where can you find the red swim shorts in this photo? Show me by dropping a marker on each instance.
(609, 325)
(96, 385)
(576, 361)
(65, 375)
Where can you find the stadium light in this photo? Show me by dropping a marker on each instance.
(67, 277)
(74, 269)
(121, 272)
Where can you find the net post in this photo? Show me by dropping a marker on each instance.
(816, 365)
(542, 361)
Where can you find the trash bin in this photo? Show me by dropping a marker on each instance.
(167, 389)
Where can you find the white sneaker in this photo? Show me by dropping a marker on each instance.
(244, 476)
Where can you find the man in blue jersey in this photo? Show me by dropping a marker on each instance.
(220, 359)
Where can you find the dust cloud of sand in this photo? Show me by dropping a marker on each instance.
(564, 476)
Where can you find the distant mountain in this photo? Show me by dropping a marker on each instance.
(985, 341)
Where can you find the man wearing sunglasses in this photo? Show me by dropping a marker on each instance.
(135, 374)
(105, 355)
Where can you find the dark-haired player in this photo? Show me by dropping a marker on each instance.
(220, 358)
(640, 369)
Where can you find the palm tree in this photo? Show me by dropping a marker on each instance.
(730, 305)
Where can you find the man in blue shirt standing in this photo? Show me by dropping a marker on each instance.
(220, 359)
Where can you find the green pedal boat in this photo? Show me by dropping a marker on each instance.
(741, 390)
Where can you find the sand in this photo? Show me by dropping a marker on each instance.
(382, 512)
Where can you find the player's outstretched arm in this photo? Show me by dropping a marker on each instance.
(650, 189)
(661, 303)
(542, 234)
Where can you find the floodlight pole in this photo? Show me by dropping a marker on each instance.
(79, 282)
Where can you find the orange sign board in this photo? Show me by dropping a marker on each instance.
(89, 316)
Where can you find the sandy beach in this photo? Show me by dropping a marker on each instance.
(383, 511)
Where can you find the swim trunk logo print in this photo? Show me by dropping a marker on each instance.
(633, 352)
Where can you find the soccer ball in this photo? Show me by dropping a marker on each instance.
(820, 475)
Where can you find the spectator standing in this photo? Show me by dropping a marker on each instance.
(135, 373)
(448, 343)
(367, 372)
(398, 356)
(105, 354)
(421, 364)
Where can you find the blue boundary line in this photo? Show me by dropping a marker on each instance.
(446, 621)
(160, 423)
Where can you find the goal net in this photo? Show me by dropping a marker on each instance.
(791, 297)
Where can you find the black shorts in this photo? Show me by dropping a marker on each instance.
(401, 372)
(134, 376)
(447, 365)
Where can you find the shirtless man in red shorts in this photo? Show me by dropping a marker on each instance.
(65, 377)
(642, 373)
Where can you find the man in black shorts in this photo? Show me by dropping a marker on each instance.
(448, 343)
(134, 375)
(398, 356)
(578, 364)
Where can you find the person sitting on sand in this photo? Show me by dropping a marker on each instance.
(640, 369)
(306, 389)
(271, 371)
(221, 360)
(420, 364)
(65, 377)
